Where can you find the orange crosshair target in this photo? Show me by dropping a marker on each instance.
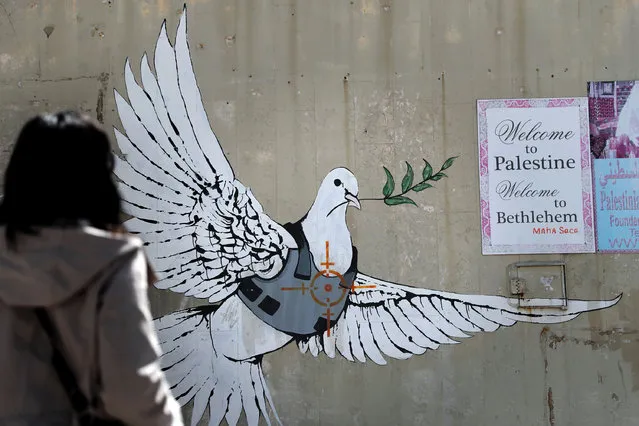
(314, 288)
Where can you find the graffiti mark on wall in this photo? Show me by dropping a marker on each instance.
(547, 281)
(267, 284)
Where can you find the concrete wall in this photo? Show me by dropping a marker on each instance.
(294, 88)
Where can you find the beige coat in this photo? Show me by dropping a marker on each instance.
(64, 270)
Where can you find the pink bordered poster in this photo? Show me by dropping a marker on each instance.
(534, 173)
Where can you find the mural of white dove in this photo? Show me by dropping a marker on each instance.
(267, 284)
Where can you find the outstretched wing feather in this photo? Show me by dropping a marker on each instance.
(140, 171)
(180, 128)
(342, 341)
(168, 143)
(145, 110)
(398, 326)
(371, 348)
(211, 153)
(381, 331)
(437, 316)
(354, 336)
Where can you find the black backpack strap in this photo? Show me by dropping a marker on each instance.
(68, 380)
(83, 408)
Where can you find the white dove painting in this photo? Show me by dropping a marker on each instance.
(267, 284)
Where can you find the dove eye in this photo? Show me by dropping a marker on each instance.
(337, 182)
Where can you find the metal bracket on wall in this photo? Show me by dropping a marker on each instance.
(539, 284)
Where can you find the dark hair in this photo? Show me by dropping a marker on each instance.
(59, 174)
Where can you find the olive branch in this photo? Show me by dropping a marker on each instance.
(407, 183)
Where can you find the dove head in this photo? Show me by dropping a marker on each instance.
(338, 190)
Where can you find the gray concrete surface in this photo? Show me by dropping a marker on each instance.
(294, 88)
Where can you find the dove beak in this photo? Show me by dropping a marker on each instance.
(352, 200)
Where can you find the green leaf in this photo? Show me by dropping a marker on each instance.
(398, 199)
(390, 184)
(448, 163)
(422, 186)
(428, 170)
(407, 182)
(438, 176)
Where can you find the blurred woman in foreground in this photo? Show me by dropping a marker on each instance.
(76, 333)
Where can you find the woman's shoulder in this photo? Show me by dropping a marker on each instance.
(83, 242)
(77, 255)
(123, 239)
(125, 251)
(112, 245)
(93, 247)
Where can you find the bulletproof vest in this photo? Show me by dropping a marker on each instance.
(301, 300)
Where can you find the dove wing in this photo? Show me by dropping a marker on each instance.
(386, 319)
(203, 229)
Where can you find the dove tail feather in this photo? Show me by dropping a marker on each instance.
(196, 372)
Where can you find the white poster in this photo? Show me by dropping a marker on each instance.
(535, 181)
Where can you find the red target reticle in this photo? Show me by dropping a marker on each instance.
(315, 288)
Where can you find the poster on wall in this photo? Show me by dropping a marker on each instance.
(614, 143)
(535, 179)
